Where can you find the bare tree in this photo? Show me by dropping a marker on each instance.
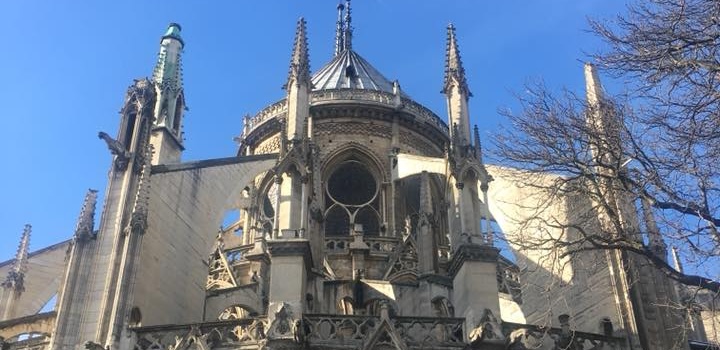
(656, 161)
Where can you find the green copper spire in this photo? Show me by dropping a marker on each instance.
(168, 69)
(173, 32)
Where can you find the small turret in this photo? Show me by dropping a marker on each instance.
(602, 120)
(168, 70)
(86, 221)
(169, 108)
(300, 60)
(454, 70)
(298, 85)
(16, 275)
(593, 88)
(14, 282)
(456, 90)
(477, 144)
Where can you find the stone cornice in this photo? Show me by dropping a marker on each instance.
(436, 279)
(294, 247)
(471, 252)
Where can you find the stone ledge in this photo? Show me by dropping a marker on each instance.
(472, 252)
(291, 247)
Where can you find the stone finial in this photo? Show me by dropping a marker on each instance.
(16, 275)
(300, 60)
(86, 221)
(454, 70)
(477, 144)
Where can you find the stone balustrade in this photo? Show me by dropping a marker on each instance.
(416, 332)
(239, 333)
(423, 114)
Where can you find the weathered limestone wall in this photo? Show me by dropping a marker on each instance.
(166, 149)
(86, 308)
(711, 322)
(186, 208)
(551, 284)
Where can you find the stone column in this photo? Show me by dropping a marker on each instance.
(290, 261)
(474, 271)
(486, 213)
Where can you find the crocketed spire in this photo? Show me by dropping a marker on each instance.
(300, 59)
(168, 69)
(454, 70)
(16, 275)
(86, 220)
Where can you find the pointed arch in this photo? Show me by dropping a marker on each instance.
(365, 154)
(179, 111)
(352, 178)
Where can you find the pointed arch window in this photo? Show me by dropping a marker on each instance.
(352, 201)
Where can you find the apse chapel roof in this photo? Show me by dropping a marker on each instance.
(347, 69)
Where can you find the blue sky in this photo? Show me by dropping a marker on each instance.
(64, 67)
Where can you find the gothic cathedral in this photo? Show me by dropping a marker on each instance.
(363, 220)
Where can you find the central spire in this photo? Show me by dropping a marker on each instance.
(347, 33)
(339, 30)
(343, 29)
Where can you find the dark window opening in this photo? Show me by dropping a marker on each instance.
(129, 128)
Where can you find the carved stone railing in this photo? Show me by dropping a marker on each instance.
(247, 332)
(267, 113)
(381, 245)
(382, 98)
(538, 337)
(431, 332)
(355, 331)
(378, 245)
(425, 114)
(337, 244)
(348, 331)
(339, 329)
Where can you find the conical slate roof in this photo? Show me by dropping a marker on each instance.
(348, 70)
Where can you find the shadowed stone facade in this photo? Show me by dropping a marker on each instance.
(363, 221)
